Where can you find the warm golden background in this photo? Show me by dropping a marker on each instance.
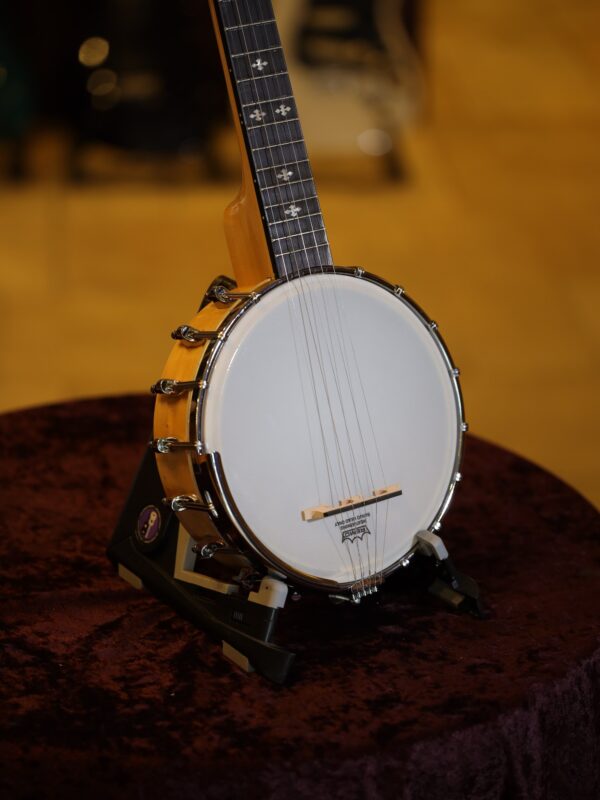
(495, 232)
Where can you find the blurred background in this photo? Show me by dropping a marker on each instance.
(456, 149)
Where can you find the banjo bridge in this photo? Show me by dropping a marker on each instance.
(351, 503)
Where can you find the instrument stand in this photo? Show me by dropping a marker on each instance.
(152, 550)
(243, 623)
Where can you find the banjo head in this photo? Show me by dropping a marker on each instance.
(334, 417)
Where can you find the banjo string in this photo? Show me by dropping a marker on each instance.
(313, 322)
(306, 313)
(310, 314)
(295, 256)
(349, 339)
(330, 343)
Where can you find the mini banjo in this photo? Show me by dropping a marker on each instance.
(309, 422)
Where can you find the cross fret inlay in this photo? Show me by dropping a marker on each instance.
(276, 147)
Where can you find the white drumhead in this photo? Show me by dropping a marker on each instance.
(331, 387)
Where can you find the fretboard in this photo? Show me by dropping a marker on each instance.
(277, 152)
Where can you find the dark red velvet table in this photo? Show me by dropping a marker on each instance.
(107, 693)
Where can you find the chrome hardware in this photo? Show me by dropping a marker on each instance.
(433, 326)
(456, 372)
(458, 477)
(222, 295)
(338, 599)
(170, 443)
(189, 502)
(170, 388)
(399, 291)
(359, 272)
(185, 333)
(365, 587)
(464, 427)
(208, 550)
(437, 526)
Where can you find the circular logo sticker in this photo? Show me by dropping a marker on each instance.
(148, 525)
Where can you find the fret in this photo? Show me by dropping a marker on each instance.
(286, 193)
(246, 12)
(301, 227)
(294, 243)
(314, 258)
(259, 119)
(317, 235)
(288, 183)
(274, 146)
(260, 125)
(300, 250)
(262, 77)
(317, 257)
(293, 235)
(265, 90)
(270, 100)
(286, 155)
(256, 52)
(261, 137)
(284, 200)
(276, 205)
(295, 227)
(263, 169)
(259, 39)
(295, 219)
(248, 25)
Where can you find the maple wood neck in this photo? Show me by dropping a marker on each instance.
(266, 108)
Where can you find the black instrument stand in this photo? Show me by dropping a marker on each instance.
(152, 550)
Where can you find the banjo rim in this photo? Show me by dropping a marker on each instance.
(210, 472)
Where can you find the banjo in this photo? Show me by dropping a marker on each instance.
(308, 425)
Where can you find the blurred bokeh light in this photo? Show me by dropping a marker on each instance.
(94, 51)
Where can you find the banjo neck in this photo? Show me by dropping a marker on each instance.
(278, 196)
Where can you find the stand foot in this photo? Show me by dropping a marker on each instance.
(444, 580)
(129, 576)
(239, 659)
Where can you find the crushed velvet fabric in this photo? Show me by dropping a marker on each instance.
(106, 692)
